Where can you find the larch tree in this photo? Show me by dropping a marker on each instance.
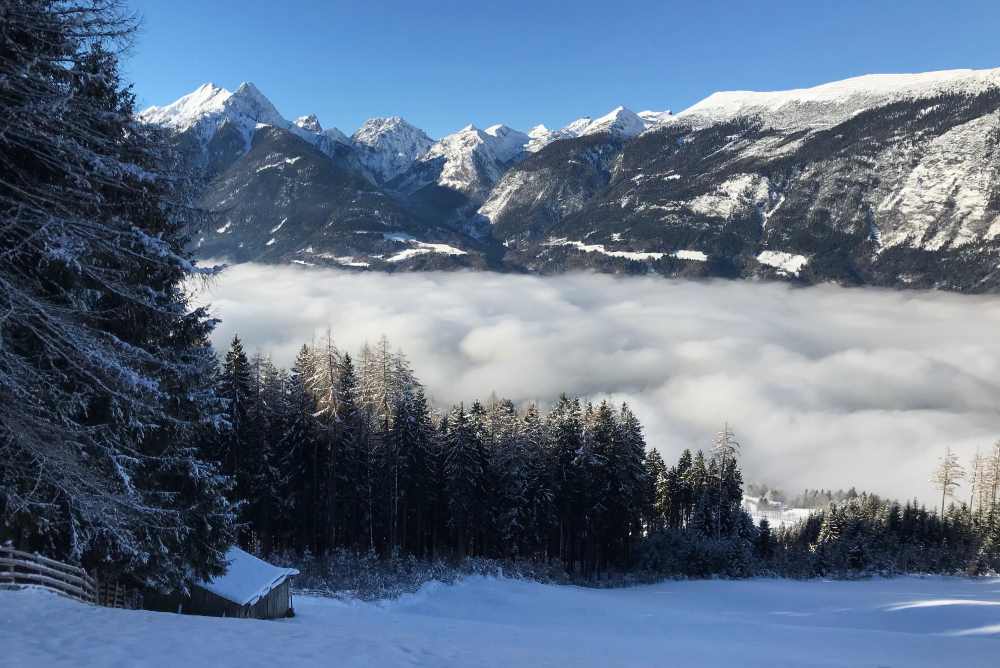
(725, 450)
(947, 476)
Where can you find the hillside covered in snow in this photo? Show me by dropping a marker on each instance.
(889, 180)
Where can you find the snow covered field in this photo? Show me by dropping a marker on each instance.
(487, 622)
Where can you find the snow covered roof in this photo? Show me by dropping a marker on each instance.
(248, 579)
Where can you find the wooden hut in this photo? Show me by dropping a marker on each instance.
(251, 587)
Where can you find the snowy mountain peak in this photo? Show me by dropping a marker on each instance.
(389, 146)
(209, 106)
(184, 112)
(310, 123)
(508, 143)
(539, 131)
(250, 102)
(378, 130)
(472, 160)
(656, 118)
(619, 122)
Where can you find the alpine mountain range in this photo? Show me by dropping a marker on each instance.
(889, 180)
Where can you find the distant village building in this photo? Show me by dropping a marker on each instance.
(251, 587)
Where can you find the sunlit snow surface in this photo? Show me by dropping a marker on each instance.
(905, 622)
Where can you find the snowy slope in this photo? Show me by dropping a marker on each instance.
(905, 622)
(835, 101)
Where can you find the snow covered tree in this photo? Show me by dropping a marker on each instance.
(298, 450)
(463, 476)
(412, 436)
(656, 492)
(539, 507)
(104, 367)
(237, 389)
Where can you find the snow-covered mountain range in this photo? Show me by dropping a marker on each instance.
(882, 179)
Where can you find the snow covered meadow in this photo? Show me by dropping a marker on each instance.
(826, 387)
(904, 622)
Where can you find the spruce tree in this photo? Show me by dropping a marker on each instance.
(463, 469)
(104, 366)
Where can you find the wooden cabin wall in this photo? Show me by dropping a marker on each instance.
(203, 602)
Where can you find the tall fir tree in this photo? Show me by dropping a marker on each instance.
(104, 366)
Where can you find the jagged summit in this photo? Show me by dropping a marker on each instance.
(309, 123)
(471, 160)
(181, 114)
(509, 143)
(620, 122)
(210, 106)
(389, 146)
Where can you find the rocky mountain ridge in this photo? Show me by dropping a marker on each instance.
(883, 179)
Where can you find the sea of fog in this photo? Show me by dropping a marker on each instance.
(824, 386)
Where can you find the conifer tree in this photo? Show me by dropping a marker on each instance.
(463, 476)
(104, 367)
(236, 388)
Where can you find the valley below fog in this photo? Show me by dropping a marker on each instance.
(825, 386)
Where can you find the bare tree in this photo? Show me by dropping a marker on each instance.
(978, 468)
(990, 483)
(947, 476)
(725, 449)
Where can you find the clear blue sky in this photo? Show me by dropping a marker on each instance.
(442, 64)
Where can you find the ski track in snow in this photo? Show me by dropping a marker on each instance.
(911, 622)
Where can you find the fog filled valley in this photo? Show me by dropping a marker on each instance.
(826, 387)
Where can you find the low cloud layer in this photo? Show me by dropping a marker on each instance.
(825, 387)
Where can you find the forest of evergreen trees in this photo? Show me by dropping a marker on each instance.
(128, 446)
(335, 454)
(342, 452)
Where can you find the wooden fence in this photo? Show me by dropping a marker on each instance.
(116, 595)
(19, 568)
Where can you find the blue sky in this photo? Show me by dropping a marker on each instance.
(443, 64)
